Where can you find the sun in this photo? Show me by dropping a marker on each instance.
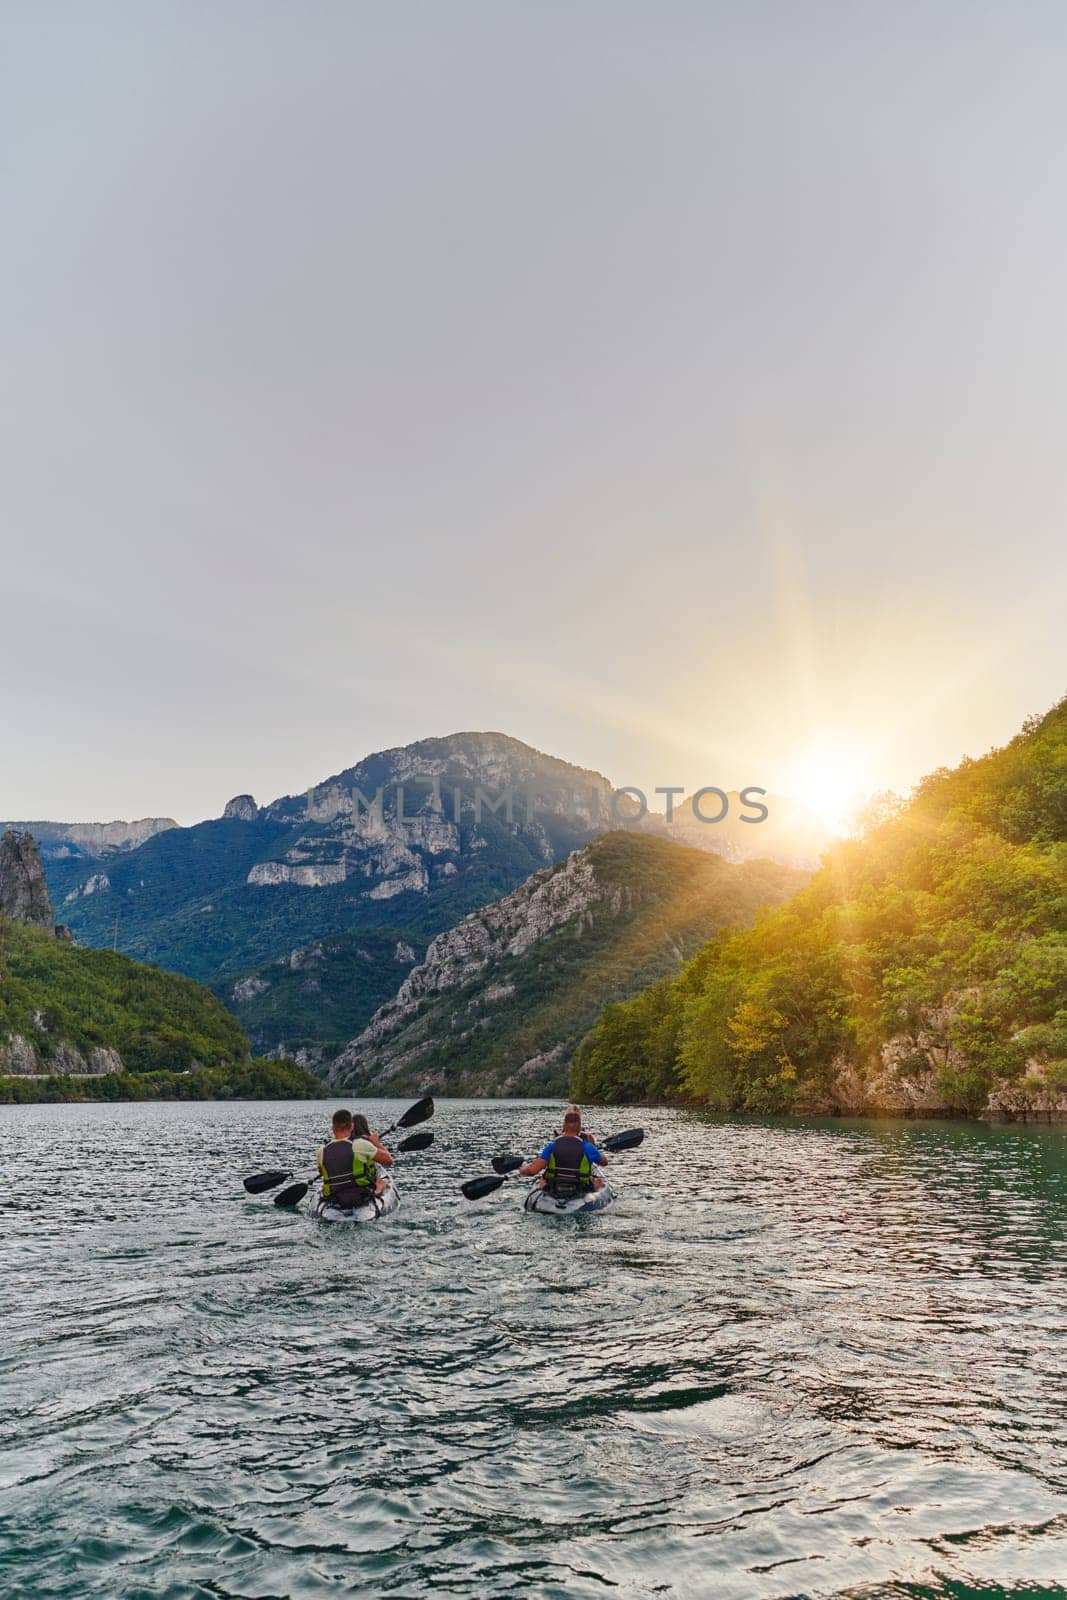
(829, 783)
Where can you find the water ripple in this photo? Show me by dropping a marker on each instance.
(796, 1359)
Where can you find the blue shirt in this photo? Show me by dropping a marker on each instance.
(590, 1149)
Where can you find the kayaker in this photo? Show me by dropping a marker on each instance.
(361, 1130)
(348, 1164)
(576, 1111)
(567, 1163)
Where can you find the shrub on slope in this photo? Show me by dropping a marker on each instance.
(53, 993)
(936, 942)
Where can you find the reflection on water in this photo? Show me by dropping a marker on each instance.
(795, 1359)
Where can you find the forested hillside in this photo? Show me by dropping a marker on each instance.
(314, 999)
(923, 968)
(93, 1025)
(503, 998)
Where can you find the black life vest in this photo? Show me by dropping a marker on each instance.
(347, 1178)
(569, 1171)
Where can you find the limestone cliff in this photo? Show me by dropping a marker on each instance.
(242, 806)
(21, 1056)
(907, 1078)
(23, 890)
(546, 901)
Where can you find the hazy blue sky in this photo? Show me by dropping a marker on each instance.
(678, 387)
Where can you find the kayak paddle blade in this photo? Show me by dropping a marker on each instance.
(416, 1141)
(421, 1111)
(293, 1195)
(506, 1164)
(478, 1188)
(265, 1180)
(624, 1141)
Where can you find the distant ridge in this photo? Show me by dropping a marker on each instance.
(61, 839)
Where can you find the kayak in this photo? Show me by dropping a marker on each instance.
(546, 1205)
(383, 1205)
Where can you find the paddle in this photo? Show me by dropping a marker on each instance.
(504, 1166)
(265, 1180)
(478, 1188)
(624, 1141)
(416, 1141)
(421, 1111)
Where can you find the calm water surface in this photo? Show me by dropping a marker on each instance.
(795, 1359)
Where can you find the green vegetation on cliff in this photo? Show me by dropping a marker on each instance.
(510, 992)
(54, 994)
(937, 943)
(318, 997)
(61, 1005)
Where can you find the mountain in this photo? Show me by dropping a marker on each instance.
(392, 851)
(922, 970)
(503, 997)
(227, 900)
(60, 840)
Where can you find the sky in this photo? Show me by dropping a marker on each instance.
(679, 388)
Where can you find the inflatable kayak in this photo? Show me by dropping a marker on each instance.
(546, 1205)
(383, 1205)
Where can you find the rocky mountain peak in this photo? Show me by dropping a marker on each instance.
(23, 891)
(494, 761)
(242, 806)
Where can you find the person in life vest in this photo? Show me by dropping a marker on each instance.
(348, 1164)
(567, 1165)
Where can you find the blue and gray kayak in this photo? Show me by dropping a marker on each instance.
(579, 1205)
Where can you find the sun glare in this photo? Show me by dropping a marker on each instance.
(828, 783)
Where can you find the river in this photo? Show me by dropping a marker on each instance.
(794, 1359)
